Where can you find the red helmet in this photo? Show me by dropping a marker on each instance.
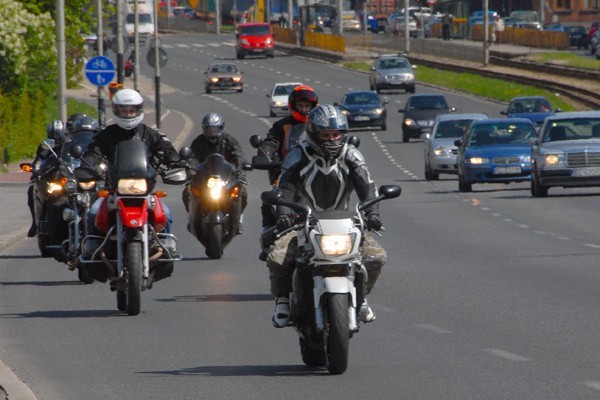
(302, 93)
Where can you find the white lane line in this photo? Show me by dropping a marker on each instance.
(507, 355)
(432, 328)
(593, 246)
(592, 384)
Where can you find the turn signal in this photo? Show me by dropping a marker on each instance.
(160, 194)
(235, 192)
(103, 193)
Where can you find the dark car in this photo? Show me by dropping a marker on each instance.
(534, 108)
(419, 112)
(578, 36)
(364, 108)
(495, 151)
(223, 76)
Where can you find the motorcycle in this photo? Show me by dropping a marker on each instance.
(214, 202)
(328, 279)
(129, 243)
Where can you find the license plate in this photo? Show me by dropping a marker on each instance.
(258, 50)
(507, 170)
(361, 118)
(585, 172)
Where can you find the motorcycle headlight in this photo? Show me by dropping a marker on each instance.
(336, 245)
(87, 185)
(215, 186)
(132, 186)
(56, 187)
(71, 185)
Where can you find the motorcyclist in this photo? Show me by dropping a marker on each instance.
(56, 131)
(213, 139)
(322, 172)
(128, 113)
(300, 101)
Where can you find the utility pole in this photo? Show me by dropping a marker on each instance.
(136, 46)
(156, 68)
(338, 7)
(406, 30)
(217, 17)
(486, 34)
(120, 44)
(62, 69)
(100, 45)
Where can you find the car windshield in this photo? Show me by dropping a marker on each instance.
(392, 63)
(361, 98)
(255, 30)
(452, 129)
(428, 103)
(572, 129)
(283, 90)
(223, 68)
(142, 18)
(529, 106)
(501, 133)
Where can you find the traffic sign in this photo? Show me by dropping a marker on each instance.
(100, 71)
(151, 57)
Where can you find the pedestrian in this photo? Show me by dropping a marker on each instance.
(446, 22)
(498, 28)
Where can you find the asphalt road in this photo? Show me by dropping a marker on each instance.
(486, 295)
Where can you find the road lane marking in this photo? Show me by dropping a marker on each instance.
(507, 355)
(433, 329)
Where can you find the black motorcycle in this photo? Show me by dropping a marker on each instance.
(214, 203)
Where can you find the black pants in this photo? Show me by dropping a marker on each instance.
(446, 32)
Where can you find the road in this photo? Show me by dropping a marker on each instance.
(486, 295)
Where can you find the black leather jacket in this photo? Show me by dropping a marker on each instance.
(228, 147)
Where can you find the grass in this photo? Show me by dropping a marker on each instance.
(491, 88)
(566, 59)
(73, 106)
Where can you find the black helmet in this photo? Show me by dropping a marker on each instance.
(85, 123)
(326, 117)
(71, 120)
(301, 93)
(56, 130)
(213, 126)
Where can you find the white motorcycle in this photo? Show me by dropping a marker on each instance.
(329, 278)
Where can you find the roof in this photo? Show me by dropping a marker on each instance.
(453, 116)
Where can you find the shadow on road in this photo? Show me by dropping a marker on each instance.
(244, 370)
(219, 298)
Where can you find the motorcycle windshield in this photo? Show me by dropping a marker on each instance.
(215, 164)
(131, 161)
(81, 139)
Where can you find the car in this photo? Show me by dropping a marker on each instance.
(395, 25)
(495, 151)
(595, 42)
(476, 17)
(278, 98)
(578, 36)
(566, 152)
(350, 22)
(223, 76)
(534, 108)
(440, 150)
(535, 25)
(420, 111)
(592, 30)
(392, 72)
(363, 109)
(254, 38)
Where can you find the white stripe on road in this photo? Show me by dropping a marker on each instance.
(432, 328)
(592, 384)
(507, 355)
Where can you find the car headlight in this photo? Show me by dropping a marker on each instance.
(527, 159)
(379, 111)
(269, 41)
(440, 151)
(278, 104)
(215, 186)
(477, 160)
(237, 78)
(345, 112)
(87, 185)
(551, 160)
(336, 245)
(214, 80)
(409, 122)
(245, 42)
(132, 186)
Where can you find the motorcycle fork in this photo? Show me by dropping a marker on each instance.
(121, 241)
(322, 286)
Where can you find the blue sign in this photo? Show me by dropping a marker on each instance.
(100, 71)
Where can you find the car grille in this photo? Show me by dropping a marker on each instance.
(506, 160)
(454, 151)
(584, 159)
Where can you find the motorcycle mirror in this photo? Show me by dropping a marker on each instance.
(390, 191)
(76, 151)
(354, 140)
(255, 141)
(185, 153)
(270, 197)
(246, 167)
(48, 143)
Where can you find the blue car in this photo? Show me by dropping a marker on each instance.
(534, 108)
(495, 151)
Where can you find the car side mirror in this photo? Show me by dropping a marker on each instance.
(557, 110)
(414, 66)
(268, 95)
(385, 100)
(458, 142)
(401, 110)
(452, 109)
(372, 69)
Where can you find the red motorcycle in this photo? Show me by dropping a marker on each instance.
(130, 244)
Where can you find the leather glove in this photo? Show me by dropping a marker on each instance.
(373, 222)
(178, 164)
(284, 222)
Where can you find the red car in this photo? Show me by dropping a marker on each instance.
(254, 38)
(593, 29)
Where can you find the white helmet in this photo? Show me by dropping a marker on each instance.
(128, 108)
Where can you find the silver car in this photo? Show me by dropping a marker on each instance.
(566, 152)
(440, 150)
(392, 72)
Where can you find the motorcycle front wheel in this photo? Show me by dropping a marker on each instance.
(214, 248)
(133, 263)
(338, 340)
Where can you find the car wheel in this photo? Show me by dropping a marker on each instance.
(207, 90)
(411, 89)
(378, 89)
(384, 126)
(371, 87)
(240, 56)
(537, 189)
(271, 113)
(405, 137)
(463, 186)
(430, 175)
(241, 90)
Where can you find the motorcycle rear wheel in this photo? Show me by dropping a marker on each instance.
(214, 248)
(133, 263)
(338, 340)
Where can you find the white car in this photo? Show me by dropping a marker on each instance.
(278, 98)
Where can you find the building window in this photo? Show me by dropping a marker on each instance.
(565, 4)
(590, 4)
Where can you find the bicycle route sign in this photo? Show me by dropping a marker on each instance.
(100, 70)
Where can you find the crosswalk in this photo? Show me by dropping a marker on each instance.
(198, 45)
